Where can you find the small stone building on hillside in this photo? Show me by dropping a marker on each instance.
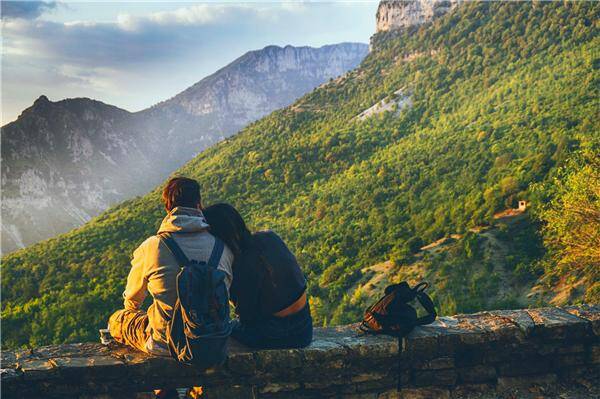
(522, 205)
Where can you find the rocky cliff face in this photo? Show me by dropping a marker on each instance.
(62, 162)
(65, 162)
(401, 14)
(249, 88)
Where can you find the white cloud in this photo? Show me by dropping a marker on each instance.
(135, 38)
(195, 15)
(135, 57)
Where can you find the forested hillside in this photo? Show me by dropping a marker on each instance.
(493, 100)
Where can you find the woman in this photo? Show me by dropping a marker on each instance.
(268, 288)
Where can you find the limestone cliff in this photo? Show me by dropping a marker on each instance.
(401, 14)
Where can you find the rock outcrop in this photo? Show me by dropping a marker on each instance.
(501, 354)
(64, 162)
(398, 101)
(401, 14)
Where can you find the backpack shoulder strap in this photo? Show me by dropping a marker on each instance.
(215, 255)
(364, 327)
(427, 303)
(174, 248)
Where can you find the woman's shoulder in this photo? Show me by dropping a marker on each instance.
(271, 242)
(268, 237)
(265, 234)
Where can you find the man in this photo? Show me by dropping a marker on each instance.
(154, 270)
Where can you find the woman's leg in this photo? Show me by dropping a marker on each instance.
(249, 335)
(299, 330)
(293, 331)
(305, 331)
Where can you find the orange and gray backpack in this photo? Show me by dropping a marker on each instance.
(393, 314)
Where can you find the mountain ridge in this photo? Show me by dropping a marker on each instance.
(149, 143)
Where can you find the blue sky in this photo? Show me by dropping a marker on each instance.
(134, 54)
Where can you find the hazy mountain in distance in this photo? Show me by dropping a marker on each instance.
(64, 162)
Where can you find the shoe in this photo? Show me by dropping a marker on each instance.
(194, 393)
(166, 394)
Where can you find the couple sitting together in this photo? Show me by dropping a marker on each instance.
(263, 279)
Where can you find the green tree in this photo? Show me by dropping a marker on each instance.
(572, 230)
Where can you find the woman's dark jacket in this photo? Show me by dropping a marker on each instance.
(266, 278)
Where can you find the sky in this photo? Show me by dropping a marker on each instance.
(134, 54)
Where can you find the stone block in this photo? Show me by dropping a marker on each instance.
(525, 365)
(466, 357)
(241, 364)
(126, 354)
(595, 354)
(487, 327)
(325, 370)
(587, 312)
(520, 318)
(229, 392)
(10, 375)
(79, 367)
(509, 383)
(379, 384)
(480, 391)
(417, 393)
(8, 359)
(323, 359)
(434, 377)
(212, 376)
(141, 366)
(372, 395)
(331, 391)
(578, 373)
(568, 360)
(546, 349)
(421, 343)
(555, 323)
(435, 364)
(279, 387)
(488, 353)
(323, 348)
(479, 373)
(317, 381)
(367, 365)
(282, 359)
(33, 369)
(317, 385)
(450, 335)
(576, 348)
(361, 345)
(367, 377)
(77, 350)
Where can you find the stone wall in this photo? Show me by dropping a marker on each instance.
(490, 353)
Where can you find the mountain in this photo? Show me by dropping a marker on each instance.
(64, 162)
(469, 112)
(44, 169)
